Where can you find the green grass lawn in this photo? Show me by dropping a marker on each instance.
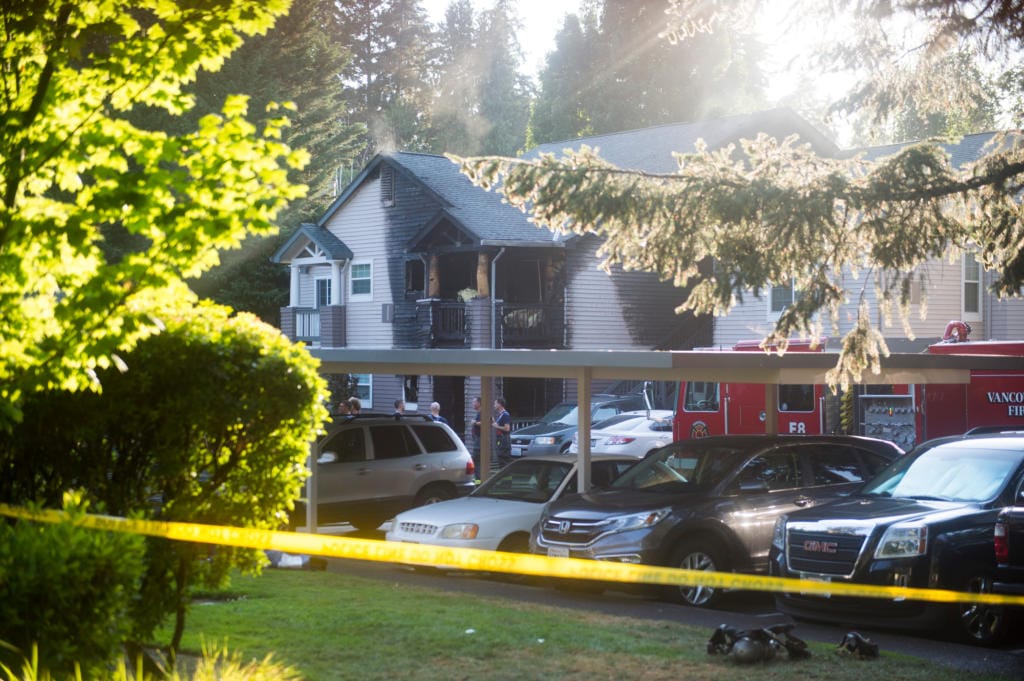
(332, 626)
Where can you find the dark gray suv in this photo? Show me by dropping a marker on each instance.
(553, 435)
(708, 504)
(370, 468)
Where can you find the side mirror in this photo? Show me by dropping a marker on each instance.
(754, 486)
(327, 457)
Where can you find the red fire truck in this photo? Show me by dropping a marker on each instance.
(901, 413)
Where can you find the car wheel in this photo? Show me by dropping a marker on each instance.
(697, 554)
(981, 623)
(515, 543)
(431, 494)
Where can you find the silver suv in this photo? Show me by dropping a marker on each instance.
(371, 467)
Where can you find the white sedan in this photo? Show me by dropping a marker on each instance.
(632, 433)
(500, 513)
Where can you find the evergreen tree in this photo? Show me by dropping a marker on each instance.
(391, 45)
(562, 109)
(300, 61)
(505, 92)
(620, 73)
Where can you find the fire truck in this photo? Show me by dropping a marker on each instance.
(904, 414)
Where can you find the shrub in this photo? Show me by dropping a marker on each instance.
(67, 590)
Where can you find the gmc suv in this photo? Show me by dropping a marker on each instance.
(371, 467)
(928, 521)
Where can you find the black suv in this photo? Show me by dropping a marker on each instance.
(708, 504)
(926, 522)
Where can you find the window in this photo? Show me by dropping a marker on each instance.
(414, 278)
(835, 465)
(323, 292)
(361, 276)
(434, 439)
(780, 297)
(393, 442)
(701, 396)
(796, 398)
(411, 392)
(972, 287)
(347, 446)
(364, 389)
(777, 470)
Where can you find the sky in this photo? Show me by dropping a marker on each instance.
(541, 19)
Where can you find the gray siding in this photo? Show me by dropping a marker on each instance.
(621, 311)
(941, 300)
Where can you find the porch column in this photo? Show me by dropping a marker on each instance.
(483, 275)
(336, 283)
(293, 288)
(434, 277)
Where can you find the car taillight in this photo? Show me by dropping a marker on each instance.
(470, 468)
(1002, 542)
(619, 440)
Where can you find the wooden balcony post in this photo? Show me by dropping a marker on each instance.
(483, 275)
(434, 277)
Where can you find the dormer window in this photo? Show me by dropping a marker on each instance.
(387, 186)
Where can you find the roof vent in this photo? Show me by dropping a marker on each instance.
(387, 186)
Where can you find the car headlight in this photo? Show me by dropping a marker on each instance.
(547, 439)
(460, 531)
(901, 541)
(779, 533)
(637, 521)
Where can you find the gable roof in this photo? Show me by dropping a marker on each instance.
(967, 149)
(481, 213)
(651, 149)
(332, 246)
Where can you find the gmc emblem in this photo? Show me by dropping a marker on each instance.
(812, 546)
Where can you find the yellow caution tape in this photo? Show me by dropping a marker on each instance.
(494, 561)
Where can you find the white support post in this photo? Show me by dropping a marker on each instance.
(583, 429)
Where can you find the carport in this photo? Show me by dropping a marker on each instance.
(692, 365)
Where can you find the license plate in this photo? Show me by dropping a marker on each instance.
(815, 578)
(517, 451)
(558, 551)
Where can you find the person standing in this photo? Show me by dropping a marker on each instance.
(399, 408)
(354, 406)
(502, 423)
(435, 413)
(474, 435)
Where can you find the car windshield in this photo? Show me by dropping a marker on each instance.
(562, 413)
(616, 421)
(684, 467)
(948, 473)
(526, 480)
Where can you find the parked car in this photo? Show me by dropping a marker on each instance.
(925, 522)
(636, 433)
(553, 434)
(708, 504)
(371, 467)
(1009, 545)
(499, 514)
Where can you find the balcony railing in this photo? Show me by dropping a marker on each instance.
(307, 325)
(531, 326)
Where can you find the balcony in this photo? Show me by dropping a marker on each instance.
(307, 325)
(530, 325)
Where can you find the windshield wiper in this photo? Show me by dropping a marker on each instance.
(928, 497)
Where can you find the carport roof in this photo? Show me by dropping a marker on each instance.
(696, 365)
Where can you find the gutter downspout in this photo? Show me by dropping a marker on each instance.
(494, 289)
